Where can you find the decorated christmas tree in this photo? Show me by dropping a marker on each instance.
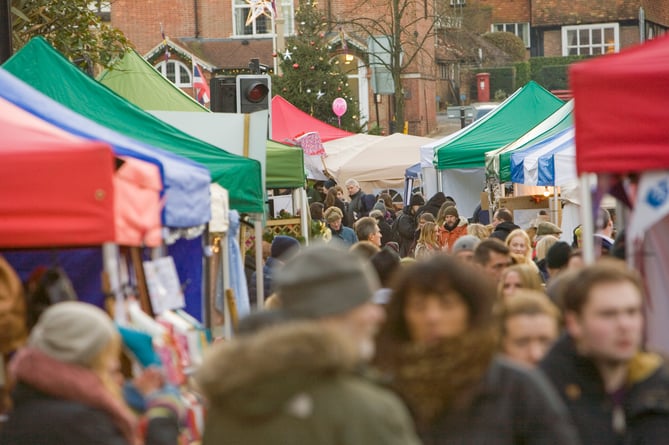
(310, 78)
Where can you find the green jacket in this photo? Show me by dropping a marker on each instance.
(294, 384)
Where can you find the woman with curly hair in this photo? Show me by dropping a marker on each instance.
(438, 347)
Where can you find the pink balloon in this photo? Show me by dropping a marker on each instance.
(339, 106)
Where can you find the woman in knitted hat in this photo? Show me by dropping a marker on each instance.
(68, 387)
(439, 347)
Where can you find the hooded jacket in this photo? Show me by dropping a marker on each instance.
(433, 204)
(645, 398)
(295, 384)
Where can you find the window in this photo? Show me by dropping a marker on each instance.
(521, 30)
(590, 39)
(288, 16)
(101, 8)
(457, 2)
(262, 25)
(177, 72)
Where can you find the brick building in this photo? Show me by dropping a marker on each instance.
(213, 34)
(656, 17)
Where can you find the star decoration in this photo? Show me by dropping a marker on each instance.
(258, 8)
(320, 94)
(287, 55)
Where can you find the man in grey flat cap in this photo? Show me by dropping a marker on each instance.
(295, 380)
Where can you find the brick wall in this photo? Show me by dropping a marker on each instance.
(140, 20)
(507, 11)
(657, 11)
(629, 35)
(554, 12)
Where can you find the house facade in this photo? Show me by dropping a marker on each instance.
(655, 17)
(214, 34)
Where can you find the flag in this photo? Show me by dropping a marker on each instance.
(200, 85)
(167, 47)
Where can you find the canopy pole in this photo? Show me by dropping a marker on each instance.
(301, 196)
(110, 262)
(556, 203)
(260, 285)
(224, 280)
(587, 223)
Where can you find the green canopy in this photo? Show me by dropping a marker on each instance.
(46, 70)
(137, 81)
(285, 166)
(514, 117)
(498, 162)
(134, 79)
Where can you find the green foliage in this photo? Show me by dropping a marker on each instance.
(500, 96)
(554, 77)
(523, 74)
(376, 130)
(309, 79)
(537, 63)
(509, 43)
(71, 27)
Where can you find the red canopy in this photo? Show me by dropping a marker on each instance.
(621, 110)
(60, 190)
(289, 122)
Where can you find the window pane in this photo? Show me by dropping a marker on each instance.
(573, 51)
(571, 38)
(596, 50)
(609, 35)
(240, 20)
(584, 37)
(170, 72)
(263, 25)
(597, 36)
(184, 75)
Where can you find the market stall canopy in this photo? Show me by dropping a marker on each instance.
(289, 122)
(62, 190)
(185, 183)
(39, 65)
(497, 162)
(285, 166)
(514, 117)
(383, 163)
(525, 164)
(621, 110)
(137, 81)
(134, 79)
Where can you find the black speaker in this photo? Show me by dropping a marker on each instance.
(223, 94)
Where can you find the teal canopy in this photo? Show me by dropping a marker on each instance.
(45, 69)
(514, 117)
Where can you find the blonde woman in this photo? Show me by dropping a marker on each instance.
(518, 276)
(427, 244)
(518, 242)
(478, 230)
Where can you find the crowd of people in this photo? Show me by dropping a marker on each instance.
(405, 326)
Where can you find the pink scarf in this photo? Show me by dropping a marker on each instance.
(71, 382)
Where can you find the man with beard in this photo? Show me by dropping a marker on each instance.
(616, 392)
(449, 227)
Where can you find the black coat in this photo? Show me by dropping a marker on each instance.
(39, 419)
(645, 400)
(503, 229)
(514, 406)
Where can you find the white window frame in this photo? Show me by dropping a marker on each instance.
(288, 15)
(178, 81)
(458, 2)
(587, 49)
(520, 29)
(241, 4)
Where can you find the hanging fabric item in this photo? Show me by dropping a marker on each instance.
(236, 267)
